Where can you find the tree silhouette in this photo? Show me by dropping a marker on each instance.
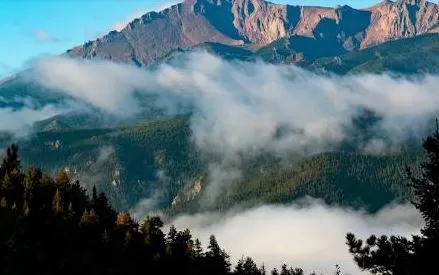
(398, 255)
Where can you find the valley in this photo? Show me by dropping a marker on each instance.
(279, 128)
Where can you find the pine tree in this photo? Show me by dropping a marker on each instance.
(26, 209)
(398, 255)
(218, 258)
(70, 209)
(172, 234)
(239, 268)
(10, 162)
(426, 188)
(62, 179)
(3, 203)
(93, 216)
(124, 220)
(198, 249)
(58, 203)
(84, 218)
(154, 238)
(106, 240)
(284, 270)
(94, 196)
(31, 180)
(262, 270)
(250, 267)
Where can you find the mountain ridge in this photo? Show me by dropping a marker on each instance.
(257, 23)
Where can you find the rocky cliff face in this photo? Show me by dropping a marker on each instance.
(395, 20)
(257, 22)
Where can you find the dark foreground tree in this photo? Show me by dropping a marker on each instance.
(398, 255)
(51, 226)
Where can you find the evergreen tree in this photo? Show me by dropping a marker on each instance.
(217, 257)
(198, 249)
(70, 209)
(26, 208)
(398, 255)
(31, 180)
(94, 196)
(10, 162)
(93, 217)
(62, 179)
(35, 238)
(3, 203)
(239, 268)
(85, 219)
(58, 203)
(426, 188)
(106, 238)
(172, 234)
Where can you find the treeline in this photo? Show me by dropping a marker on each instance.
(345, 179)
(418, 255)
(51, 226)
(144, 151)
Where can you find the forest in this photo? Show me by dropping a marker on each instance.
(53, 226)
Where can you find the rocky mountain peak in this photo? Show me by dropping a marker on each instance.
(259, 23)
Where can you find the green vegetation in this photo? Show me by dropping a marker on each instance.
(135, 156)
(407, 56)
(297, 49)
(419, 54)
(348, 179)
(157, 159)
(398, 255)
(50, 226)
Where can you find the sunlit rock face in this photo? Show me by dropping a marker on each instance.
(258, 23)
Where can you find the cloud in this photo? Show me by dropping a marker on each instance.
(242, 110)
(310, 236)
(105, 152)
(120, 25)
(251, 107)
(20, 121)
(45, 37)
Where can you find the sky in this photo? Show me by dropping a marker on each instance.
(31, 28)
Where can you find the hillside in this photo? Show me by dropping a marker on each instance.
(157, 160)
(406, 56)
(123, 162)
(152, 155)
(349, 179)
(418, 54)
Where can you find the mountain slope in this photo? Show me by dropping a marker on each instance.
(354, 180)
(406, 56)
(259, 23)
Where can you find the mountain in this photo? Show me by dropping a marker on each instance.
(152, 156)
(157, 159)
(415, 55)
(419, 54)
(257, 23)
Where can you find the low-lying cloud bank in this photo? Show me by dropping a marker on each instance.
(244, 109)
(20, 121)
(240, 110)
(311, 237)
(252, 107)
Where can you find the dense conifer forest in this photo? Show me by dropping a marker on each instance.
(52, 226)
